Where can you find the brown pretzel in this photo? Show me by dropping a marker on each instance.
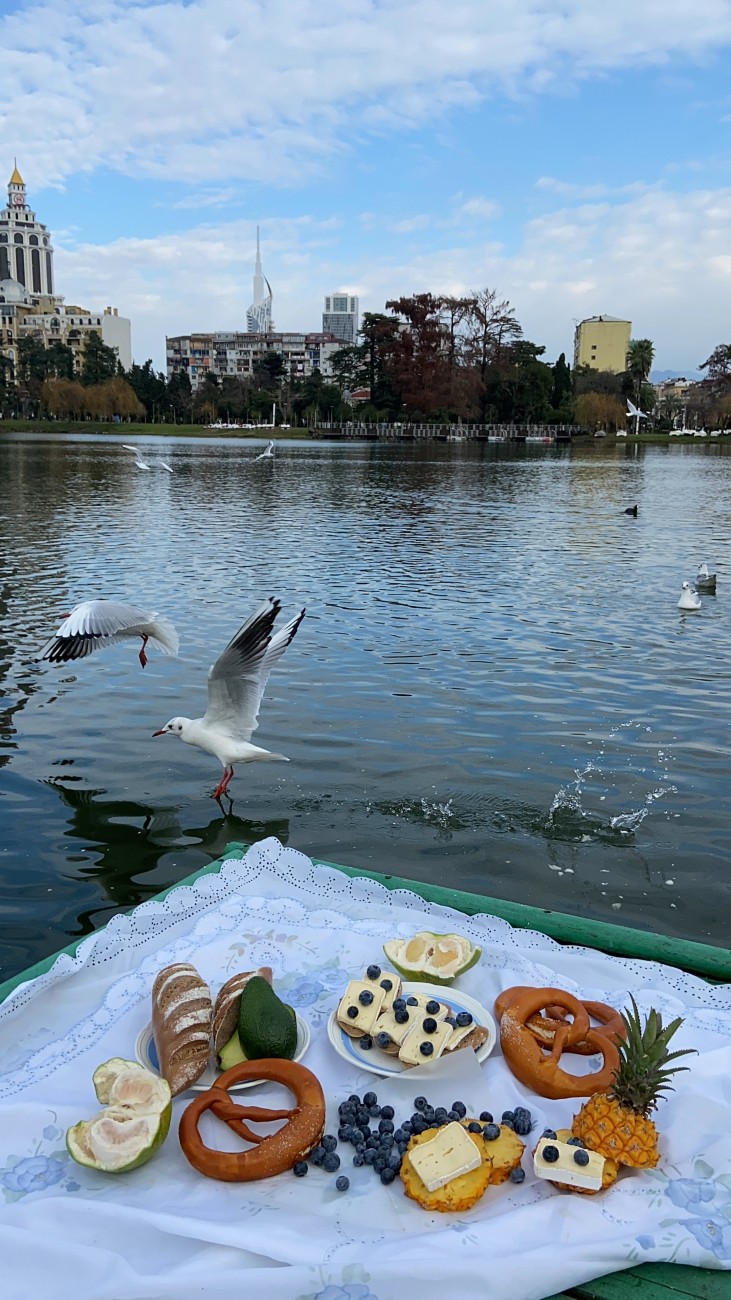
(271, 1154)
(544, 1025)
(540, 1071)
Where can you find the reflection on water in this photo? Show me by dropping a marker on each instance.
(493, 687)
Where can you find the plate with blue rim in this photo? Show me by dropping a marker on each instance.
(378, 1062)
(146, 1054)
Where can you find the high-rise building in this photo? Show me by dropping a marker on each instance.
(340, 316)
(601, 343)
(259, 314)
(28, 305)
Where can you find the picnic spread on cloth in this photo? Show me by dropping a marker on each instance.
(164, 1230)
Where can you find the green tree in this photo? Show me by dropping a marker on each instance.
(150, 389)
(380, 335)
(269, 371)
(180, 396)
(640, 355)
(561, 386)
(98, 362)
(490, 329)
(59, 360)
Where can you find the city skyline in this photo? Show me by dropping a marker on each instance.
(576, 161)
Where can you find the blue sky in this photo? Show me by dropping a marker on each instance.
(573, 154)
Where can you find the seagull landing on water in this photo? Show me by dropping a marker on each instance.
(236, 683)
(268, 452)
(94, 624)
(142, 464)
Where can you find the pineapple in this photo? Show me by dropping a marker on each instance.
(616, 1123)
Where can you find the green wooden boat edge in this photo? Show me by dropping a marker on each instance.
(621, 941)
(647, 1281)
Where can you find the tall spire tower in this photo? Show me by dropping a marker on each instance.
(26, 254)
(259, 314)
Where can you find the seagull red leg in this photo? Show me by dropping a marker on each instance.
(143, 656)
(222, 786)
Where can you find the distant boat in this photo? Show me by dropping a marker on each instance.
(546, 438)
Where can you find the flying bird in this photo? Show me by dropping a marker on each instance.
(267, 453)
(236, 683)
(95, 624)
(142, 464)
(635, 410)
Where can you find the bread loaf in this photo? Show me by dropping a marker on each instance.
(181, 1024)
(226, 1006)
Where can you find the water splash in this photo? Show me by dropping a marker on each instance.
(567, 817)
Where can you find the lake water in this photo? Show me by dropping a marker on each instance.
(493, 688)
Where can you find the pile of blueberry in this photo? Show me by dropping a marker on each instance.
(377, 1142)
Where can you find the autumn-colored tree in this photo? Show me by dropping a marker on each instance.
(420, 356)
(600, 411)
(490, 327)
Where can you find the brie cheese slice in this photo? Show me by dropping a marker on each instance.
(450, 1153)
(565, 1169)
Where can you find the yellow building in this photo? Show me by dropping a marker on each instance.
(601, 342)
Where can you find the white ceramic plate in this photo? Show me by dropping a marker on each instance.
(146, 1055)
(378, 1062)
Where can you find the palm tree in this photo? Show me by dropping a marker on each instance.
(640, 356)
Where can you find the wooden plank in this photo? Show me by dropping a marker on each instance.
(657, 1282)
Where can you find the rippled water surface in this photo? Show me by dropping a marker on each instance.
(493, 688)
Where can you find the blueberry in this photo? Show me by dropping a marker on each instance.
(486, 1117)
(379, 1164)
(387, 1175)
(412, 1002)
(432, 1007)
(317, 1155)
(548, 1133)
(450, 1020)
(575, 1142)
(365, 1042)
(407, 1128)
(490, 1132)
(346, 1108)
(429, 1114)
(463, 1019)
(517, 1175)
(374, 1111)
(387, 1112)
(394, 1161)
(429, 1025)
(460, 1108)
(440, 1115)
(372, 1141)
(420, 1103)
(385, 1125)
(550, 1154)
(331, 1162)
(373, 972)
(362, 1115)
(370, 1099)
(399, 1135)
(358, 1160)
(387, 985)
(342, 1183)
(474, 1127)
(329, 1142)
(426, 1049)
(522, 1124)
(453, 1114)
(420, 1126)
(581, 1157)
(352, 1013)
(354, 1099)
(365, 998)
(300, 1169)
(399, 1004)
(369, 1156)
(383, 1039)
(344, 1132)
(401, 1016)
(507, 1117)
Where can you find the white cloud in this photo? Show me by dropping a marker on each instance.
(273, 90)
(659, 259)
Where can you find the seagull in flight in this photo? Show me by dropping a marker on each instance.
(142, 464)
(94, 624)
(268, 452)
(236, 683)
(635, 410)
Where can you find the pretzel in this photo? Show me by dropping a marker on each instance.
(270, 1154)
(539, 1070)
(544, 1026)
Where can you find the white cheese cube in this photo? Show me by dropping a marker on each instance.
(565, 1169)
(450, 1153)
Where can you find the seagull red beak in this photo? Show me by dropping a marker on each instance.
(161, 733)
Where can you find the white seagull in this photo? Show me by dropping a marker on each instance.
(705, 580)
(94, 624)
(142, 464)
(689, 599)
(267, 453)
(236, 683)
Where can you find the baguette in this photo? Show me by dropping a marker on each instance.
(226, 1006)
(182, 1014)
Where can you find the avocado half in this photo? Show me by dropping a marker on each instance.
(433, 958)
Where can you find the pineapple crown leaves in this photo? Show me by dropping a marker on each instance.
(643, 1071)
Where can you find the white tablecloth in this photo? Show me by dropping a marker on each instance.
(164, 1231)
